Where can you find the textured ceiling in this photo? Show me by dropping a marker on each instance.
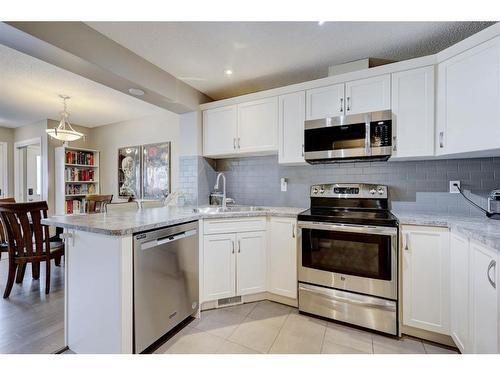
(30, 89)
(271, 54)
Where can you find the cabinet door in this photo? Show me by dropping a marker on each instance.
(413, 113)
(219, 131)
(368, 95)
(426, 278)
(219, 261)
(469, 100)
(291, 128)
(282, 257)
(325, 102)
(484, 304)
(251, 263)
(258, 125)
(459, 296)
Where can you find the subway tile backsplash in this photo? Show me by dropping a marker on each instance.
(415, 185)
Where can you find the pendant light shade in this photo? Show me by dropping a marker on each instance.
(64, 131)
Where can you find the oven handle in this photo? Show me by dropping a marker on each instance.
(388, 231)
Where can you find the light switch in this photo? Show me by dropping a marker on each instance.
(284, 183)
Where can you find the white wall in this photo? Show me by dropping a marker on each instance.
(190, 142)
(7, 135)
(108, 139)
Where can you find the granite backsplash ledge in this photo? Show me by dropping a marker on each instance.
(413, 185)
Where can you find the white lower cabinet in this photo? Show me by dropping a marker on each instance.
(219, 266)
(251, 263)
(460, 292)
(426, 278)
(484, 302)
(282, 257)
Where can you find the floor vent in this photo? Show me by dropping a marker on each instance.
(228, 301)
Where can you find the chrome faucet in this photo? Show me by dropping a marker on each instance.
(216, 187)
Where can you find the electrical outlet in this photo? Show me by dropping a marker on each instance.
(453, 189)
(284, 184)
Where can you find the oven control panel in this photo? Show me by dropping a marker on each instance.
(349, 191)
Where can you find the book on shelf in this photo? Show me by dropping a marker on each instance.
(79, 175)
(80, 157)
(74, 189)
(74, 206)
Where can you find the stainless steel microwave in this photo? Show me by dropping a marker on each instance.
(365, 136)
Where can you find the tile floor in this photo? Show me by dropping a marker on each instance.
(268, 327)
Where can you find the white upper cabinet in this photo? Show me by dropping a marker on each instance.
(368, 95)
(484, 303)
(469, 100)
(324, 102)
(460, 292)
(426, 278)
(220, 130)
(413, 113)
(282, 257)
(251, 263)
(291, 128)
(258, 125)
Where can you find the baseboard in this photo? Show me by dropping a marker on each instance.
(428, 336)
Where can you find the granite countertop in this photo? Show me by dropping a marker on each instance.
(481, 229)
(129, 222)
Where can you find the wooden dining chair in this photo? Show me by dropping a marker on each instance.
(97, 203)
(4, 248)
(28, 240)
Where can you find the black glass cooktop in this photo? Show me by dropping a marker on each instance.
(349, 216)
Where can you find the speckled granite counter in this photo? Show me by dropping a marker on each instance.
(125, 223)
(482, 230)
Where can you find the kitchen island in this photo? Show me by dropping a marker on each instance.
(99, 266)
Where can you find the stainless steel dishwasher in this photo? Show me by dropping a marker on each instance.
(165, 281)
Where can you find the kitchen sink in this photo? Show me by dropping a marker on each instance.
(216, 209)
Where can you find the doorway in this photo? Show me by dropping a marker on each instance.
(28, 171)
(4, 172)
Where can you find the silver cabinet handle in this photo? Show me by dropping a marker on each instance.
(341, 104)
(394, 144)
(238, 142)
(239, 246)
(293, 230)
(492, 264)
(232, 243)
(302, 149)
(348, 103)
(407, 240)
(234, 143)
(441, 139)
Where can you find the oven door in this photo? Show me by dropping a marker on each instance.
(355, 258)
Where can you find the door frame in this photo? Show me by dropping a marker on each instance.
(17, 146)
(4, 178)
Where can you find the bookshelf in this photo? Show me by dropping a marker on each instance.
(77, 174)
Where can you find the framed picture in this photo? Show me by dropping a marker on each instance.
(156, 170)
(129, 172)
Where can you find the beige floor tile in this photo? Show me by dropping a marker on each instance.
(258, 334)
(339, 338)
(435, 349)
(243, 309)
(223, 316)
(405, 345)
(271, 311)
(300, 335)
(214, 327)
(191, 341)
(228, 347)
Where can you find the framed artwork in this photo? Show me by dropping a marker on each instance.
(156, 170)
(129, 172)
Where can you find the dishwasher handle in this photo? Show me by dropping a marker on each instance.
(167, 239)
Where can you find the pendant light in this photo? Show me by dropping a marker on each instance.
(64, 131)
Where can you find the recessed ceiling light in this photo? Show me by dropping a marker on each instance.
(228, 72)
(321, 22)
(136, 92)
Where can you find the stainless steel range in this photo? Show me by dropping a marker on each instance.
(348, 259)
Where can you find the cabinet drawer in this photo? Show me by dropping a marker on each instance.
(247, 224)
